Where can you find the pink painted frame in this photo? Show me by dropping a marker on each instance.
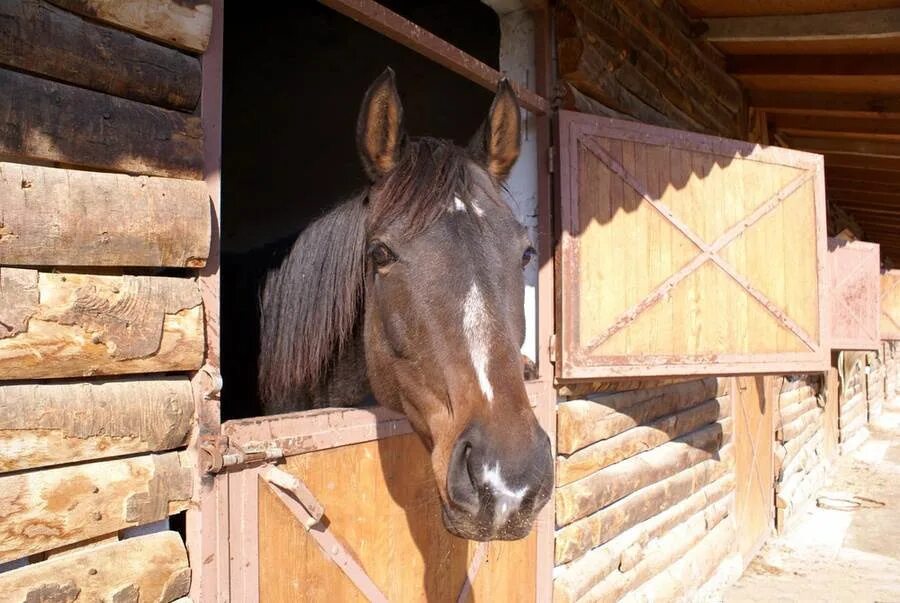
(852, 262)
(574, 363)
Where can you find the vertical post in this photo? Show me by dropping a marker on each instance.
(207, 521)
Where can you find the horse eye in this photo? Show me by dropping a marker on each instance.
(529, 255)
(381, 255)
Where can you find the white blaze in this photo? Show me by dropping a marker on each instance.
(478, 211)
(506, 499)
(458, 205)
(475, 325)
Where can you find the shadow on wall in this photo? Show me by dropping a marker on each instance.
(292, 87)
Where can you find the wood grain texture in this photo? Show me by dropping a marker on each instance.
(47, 509)
(379, 499)
(601, 488)
(890, 304)
(181, 23)
(52, 122)
(78, 325)
(581, 536)
(54, 423)
(639, 439)
(40, 38)
(155, 565)
(595, 418)
(59, 217)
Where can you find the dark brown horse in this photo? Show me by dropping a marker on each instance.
(413, 292)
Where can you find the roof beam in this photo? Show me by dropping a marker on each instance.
(841, 160)
(823, 64)
(844, 126)
(827, 103)
(867, 25)
(851, 146)
(844, 186)
(861, 175)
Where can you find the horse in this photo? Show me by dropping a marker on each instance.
(411, 292)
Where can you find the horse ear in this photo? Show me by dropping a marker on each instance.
(380, 136)
(496, 144)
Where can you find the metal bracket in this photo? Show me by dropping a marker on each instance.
(216, 454)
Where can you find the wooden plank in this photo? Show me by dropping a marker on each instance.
(42, 39)
(869, 148)
(855, 291)
(181, 23)
(147, 568)
(842, 186)
(405, 32)
(601, 488)
(890, 304)
(583, 422)
(852, 25)
(52, 122)
(826, 104)
(741, 8)
(862, 175)
(56, 423)
(869, 162)
(47, 509)
(581, 536)
(876, 128)
(818, 65)
(814, 84)
(638, 439)
(78, 325)
(101, 219)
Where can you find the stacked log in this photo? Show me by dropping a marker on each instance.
(800, 447)
(891, 372)
(644, 477)
(853, 414)
(101, 193)
(875, 385)
(628, 58)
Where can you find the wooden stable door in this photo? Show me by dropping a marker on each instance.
(352, 514)
(754, 439)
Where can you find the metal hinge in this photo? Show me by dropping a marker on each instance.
(553, 348)
(216, 454)
(551, 159)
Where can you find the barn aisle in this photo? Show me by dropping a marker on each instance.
(848, 547)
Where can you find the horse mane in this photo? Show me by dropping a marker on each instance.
(311, 304)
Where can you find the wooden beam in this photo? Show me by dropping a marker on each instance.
(101, 219)
(44, 424)
(828, 104)
(181, 23)
(868, 148)
(405, 32)
(871, 24)
(54, 507)
(52, 122)
(40, 38)
(883, 199)
(827, 64)
(741, 8)
(147, 568)
(78, 325)
(861, 174)
(849, 186)
(822, 84)
(838, 125)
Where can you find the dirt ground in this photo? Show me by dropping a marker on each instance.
(832, 554)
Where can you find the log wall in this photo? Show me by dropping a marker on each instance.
(100, 189)
(853, 414)
(632, 59)
(891, 372)
(875, 384)
(801, 459)
(645, 480)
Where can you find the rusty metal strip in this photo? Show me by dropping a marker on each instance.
(478, 560)
(375, 16)
(707, 251)
(328, 543)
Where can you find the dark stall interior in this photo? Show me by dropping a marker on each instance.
(293, 81)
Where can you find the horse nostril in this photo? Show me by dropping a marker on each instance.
(461, 485)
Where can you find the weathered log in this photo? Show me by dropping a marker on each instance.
(43, 510)
(849, 407)
(793, 429)
(853, 425)
(574, 579)
(78, 325)
(690, 570)
(583, 422)
(154, 567)
(806, 457)
(661, 553)
(853, 439)
(792, 447)
(876, 408)
(43, 39)
(639, 439)
(582, 497)
(579, 537)
(788, 412)
(101, 219)
(851, 413)
(181, 23)
(55, 423)
(572, 99)
(52, 122)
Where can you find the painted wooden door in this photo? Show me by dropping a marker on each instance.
(351, 513)
(687, 254)
(854, 292)
(754, 439)
(890, 304)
